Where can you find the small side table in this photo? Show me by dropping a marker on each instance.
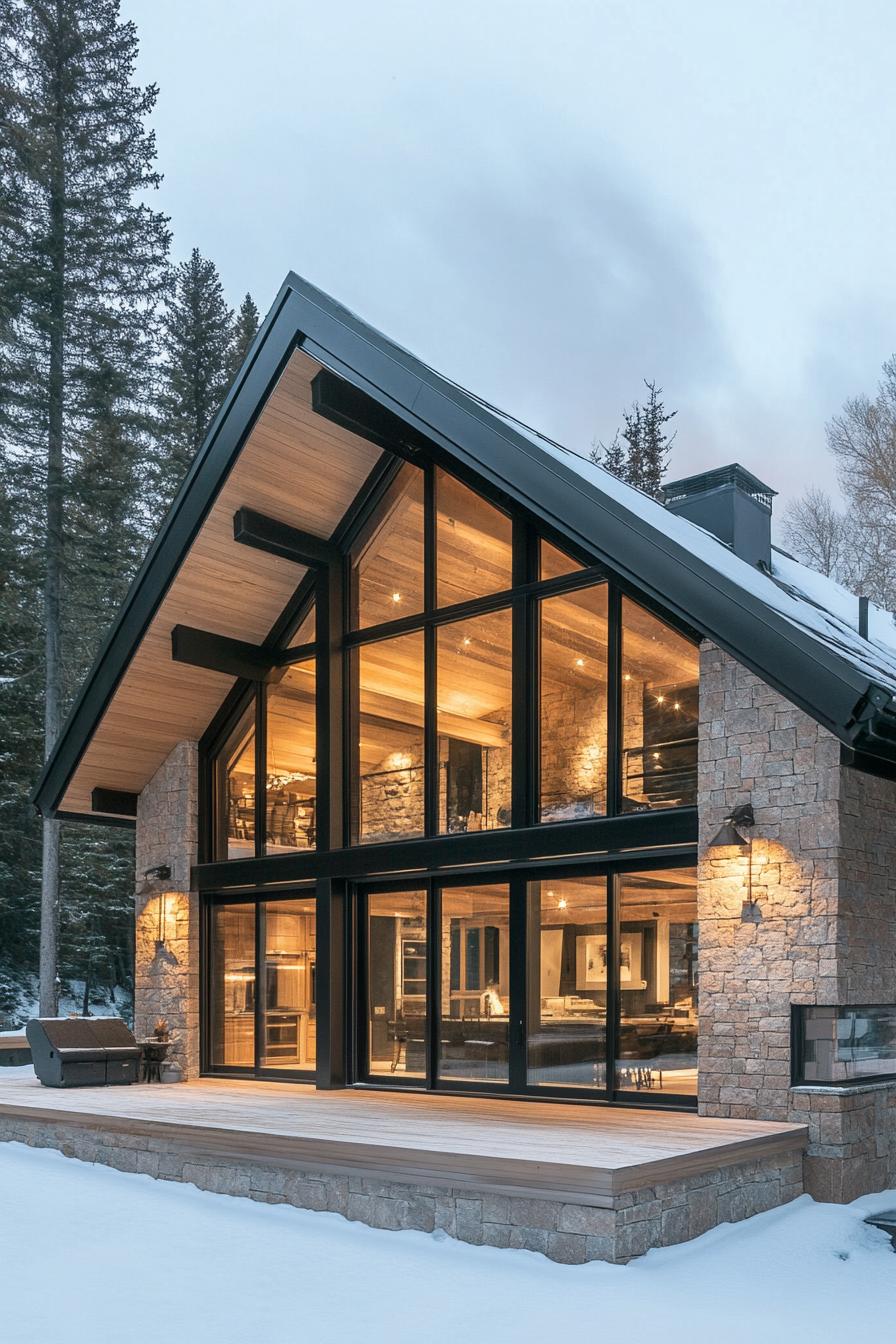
(153, 1054)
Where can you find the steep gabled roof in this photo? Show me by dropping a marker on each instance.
(787, 627)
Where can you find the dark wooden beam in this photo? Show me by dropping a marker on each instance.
(116, 801)
(346, 405)
(278, 538)
(219, 653)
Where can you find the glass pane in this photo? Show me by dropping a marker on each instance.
(388, 748)
(843, 1045)
(289, 987)
(660, 672)
(573, 704)
(292, 761)
(658, 982)
(396, 983)
(387, 573)
(473, 544)
(233, 985)
(236, 789)
(475, 989)
(306, 631)
(474, 700)
(567, 1017)
(552, 562)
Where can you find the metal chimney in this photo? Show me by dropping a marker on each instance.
(732, 504)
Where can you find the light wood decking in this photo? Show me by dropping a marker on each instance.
(551, 1151)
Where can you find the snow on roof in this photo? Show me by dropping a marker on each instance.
(811, 602)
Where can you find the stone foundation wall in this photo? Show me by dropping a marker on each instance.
(661, 1215)
(166, 957)
(824, 887)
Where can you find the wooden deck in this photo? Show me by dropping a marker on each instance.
(555, 1151)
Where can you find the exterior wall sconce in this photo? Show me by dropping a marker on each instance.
(159, 874)
(730, 835)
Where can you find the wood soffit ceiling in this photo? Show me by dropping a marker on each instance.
(295, 466)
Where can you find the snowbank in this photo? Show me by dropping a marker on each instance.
(84, 1248)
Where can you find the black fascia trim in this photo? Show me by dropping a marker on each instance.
(637, 830)
(651, 561)
(275, 342)
(115, 801)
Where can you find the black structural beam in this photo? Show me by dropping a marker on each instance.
(116, 801)
(346, 405)
(220, 653)
(278, 538)
(605, 835)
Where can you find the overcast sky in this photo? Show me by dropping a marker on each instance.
(550, 200)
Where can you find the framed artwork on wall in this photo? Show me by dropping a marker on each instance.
(591, 961)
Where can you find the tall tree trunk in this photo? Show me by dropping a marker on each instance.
(49, 901)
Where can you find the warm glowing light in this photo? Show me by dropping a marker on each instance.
(561, 904)
(656, 755)
(660, 699)
(627, 676)
(396, 597)
(676, 705)
(580, 662)
(467, 641)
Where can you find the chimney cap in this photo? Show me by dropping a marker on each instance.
(716, 479)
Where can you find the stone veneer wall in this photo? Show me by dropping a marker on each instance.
(824, 881)
(663, 1214)
(166, 972)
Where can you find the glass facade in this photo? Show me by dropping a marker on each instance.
(572, 700)
(475, 983)
(387, 776)
(567, 983)
(473, 699)
(236, 789)
(657, 962)
(291, 774)
(387, 568)
(474, 552)
(288, 983)
(471, 705)
(844, 1045)
(233, 980)
(397, 983)
(660, 675)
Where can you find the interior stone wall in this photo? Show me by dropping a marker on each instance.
(823, 879)
(166, 956)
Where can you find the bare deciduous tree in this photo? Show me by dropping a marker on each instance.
(855, 546)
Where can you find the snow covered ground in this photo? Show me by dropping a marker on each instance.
(90, 1256)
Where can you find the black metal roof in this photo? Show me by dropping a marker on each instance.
(595, 512)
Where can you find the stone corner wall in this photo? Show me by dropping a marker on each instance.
(166, 957)
(824, 886)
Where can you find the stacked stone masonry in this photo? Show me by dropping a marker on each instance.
(824, 885)
(660, 1215)
(166, 960)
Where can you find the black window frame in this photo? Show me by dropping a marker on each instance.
(333, 654)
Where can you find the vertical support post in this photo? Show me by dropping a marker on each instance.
(614, 702)
(525, 696)
(519, 918)
(329, 718)
(331, 984)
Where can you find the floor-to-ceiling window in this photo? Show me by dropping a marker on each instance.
(493, 682)
(263, 977)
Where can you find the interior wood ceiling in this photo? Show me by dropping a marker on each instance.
(295, 466)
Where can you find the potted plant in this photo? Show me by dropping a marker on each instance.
(160, 1031)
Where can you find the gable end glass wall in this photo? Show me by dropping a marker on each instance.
(471, 678)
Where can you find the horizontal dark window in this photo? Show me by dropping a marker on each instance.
(841, 1046)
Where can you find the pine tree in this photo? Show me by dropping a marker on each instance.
(197, 342)
(643, 455)
(244, 328)
(82, 258)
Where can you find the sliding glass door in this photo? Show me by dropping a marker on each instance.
(579, 985)
(261, 959)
